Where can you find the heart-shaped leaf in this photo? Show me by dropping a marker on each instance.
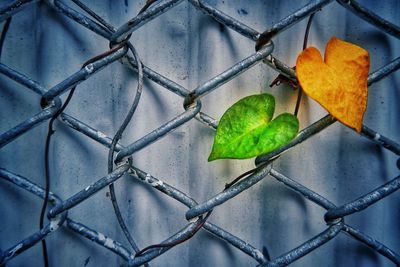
(339, 83)
(246, 130)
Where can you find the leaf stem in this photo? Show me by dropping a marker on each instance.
(300, 93)
(307, 30)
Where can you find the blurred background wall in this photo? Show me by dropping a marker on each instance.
(190, 48)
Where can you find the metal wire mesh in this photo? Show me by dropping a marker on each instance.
(58, 214)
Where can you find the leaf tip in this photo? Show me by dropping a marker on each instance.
(212, 157)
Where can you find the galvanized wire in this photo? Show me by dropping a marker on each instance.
(58, 216)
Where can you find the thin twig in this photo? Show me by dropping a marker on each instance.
(4, 33)
(50, 132)
(300, 93)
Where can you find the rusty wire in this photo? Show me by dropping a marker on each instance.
(58, 214)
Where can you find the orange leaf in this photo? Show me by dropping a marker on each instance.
(339, 82)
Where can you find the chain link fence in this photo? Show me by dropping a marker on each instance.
(122, 50)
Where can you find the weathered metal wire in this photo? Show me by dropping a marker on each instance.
(58, 213)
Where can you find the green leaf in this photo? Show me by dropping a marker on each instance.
(246, 130)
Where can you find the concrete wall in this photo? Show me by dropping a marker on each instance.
(190, 48)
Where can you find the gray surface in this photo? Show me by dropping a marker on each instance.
(190, 48)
